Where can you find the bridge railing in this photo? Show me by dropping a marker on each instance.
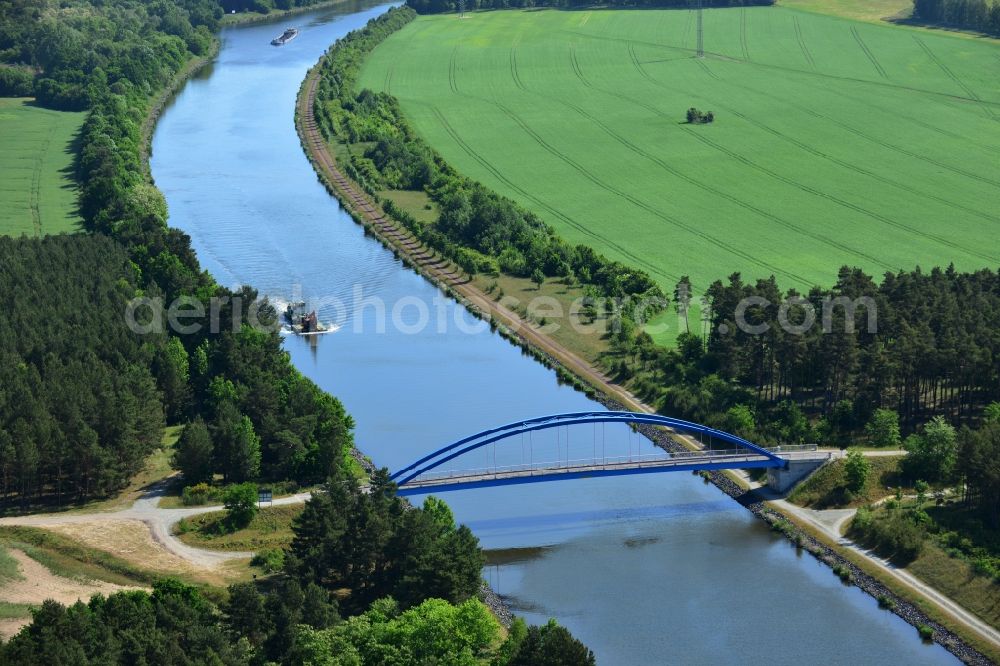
(792, 448)
(635, 460)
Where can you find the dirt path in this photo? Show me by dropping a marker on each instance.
(142, 532)
(37, 584)
(40, 584)
(831, 522)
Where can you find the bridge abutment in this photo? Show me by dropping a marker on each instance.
(783, 479)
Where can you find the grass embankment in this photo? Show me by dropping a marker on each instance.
(958, 580)
(827, 488)
(157, 468)
(8, 567)
(10, 571)
(954, 575)
(955, 554)
(270, 528)
(931, 609)
(69, 559)
(578, 116)
(38, 191)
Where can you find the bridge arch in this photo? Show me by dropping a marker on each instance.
(483, 438)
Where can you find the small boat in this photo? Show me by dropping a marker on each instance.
(285, 37)
(302, 323)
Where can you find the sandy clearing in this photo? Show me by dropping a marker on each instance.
(40, 584)
(11, 626)
(129, 539)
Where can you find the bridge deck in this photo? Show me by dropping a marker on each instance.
(536, 472)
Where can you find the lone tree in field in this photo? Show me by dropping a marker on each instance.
(538, 277)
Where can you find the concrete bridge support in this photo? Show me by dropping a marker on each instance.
(782, 480)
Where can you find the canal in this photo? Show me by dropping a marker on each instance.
(646, 570)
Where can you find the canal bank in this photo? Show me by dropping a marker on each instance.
(615, 550)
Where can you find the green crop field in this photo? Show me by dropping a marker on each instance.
(37, 191)
(835, 142)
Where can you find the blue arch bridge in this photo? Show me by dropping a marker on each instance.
(786, 465)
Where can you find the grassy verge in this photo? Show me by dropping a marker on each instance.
(542, 305)
(270, 528)
(416, 203)
(959, 580)
(9, 569)
(38, 194)
(9, 611)
(957, 555)
(67, 558)
(157, 468)
(827, 488)
(279, 489)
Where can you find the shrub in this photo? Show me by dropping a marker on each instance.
(198, 494)
(897, 535)
(16, 82)
(883, 428)
(844, 573)
(926, 632)
(271, 561)
(886, 602)
(857, 468)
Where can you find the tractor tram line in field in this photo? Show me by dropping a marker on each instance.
(814, 151)
(961, 84)
(453, 83)
(819, 193)
(714, 190)
(802, 43)
(872, 139)
(940, 239)
(639, 203)
(868, 53)
(548, 208)
(803, 171)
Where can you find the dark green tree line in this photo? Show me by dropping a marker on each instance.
(263, 418)
(933, 352)
(79, 406)
(977, 15)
